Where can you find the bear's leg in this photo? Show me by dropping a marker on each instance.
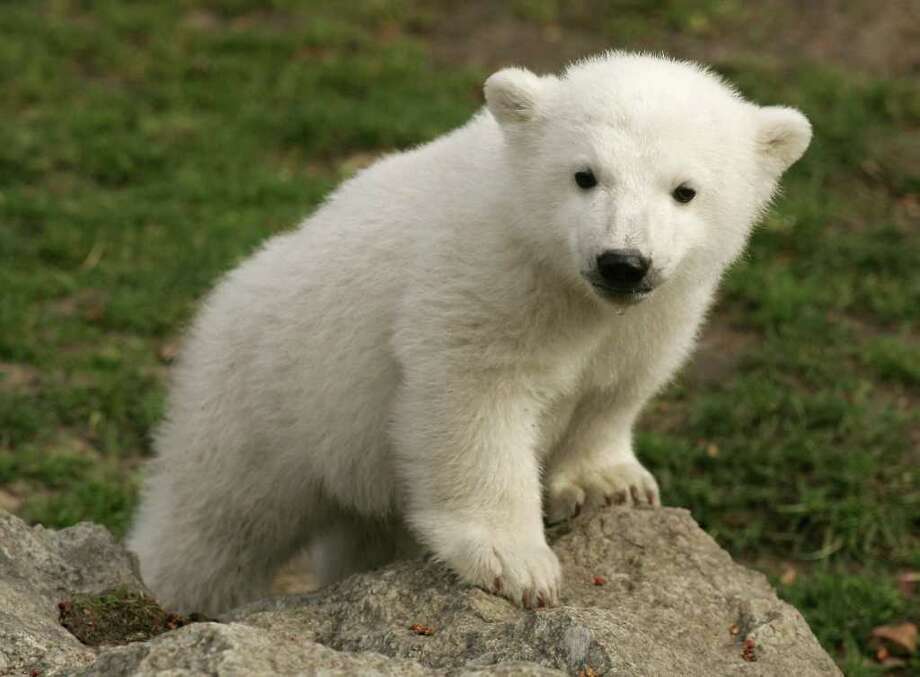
(207, 551)
(594, 463)
(465, 452)
(352, 544)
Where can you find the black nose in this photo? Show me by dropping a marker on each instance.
(622, 269)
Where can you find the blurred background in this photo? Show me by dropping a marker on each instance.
(147, 147)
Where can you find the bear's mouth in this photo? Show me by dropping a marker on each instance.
(627, 296)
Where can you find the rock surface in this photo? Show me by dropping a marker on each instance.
(668, 601)
(40, 567)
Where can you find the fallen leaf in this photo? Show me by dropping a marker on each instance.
(168, 350)
(907, 582)
(389, 32)
(898, 639)
(420, 629)
(9, 501)
(734, 630)
(789, 575)
(600, 580)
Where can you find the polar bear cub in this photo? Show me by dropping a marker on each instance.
(458, 342)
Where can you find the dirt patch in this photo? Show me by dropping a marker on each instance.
(880, 38)
(487, 35)
(88, 304)
(877, 37)
(118, 616)
(19, 378)
(720, 349)
(716, 359)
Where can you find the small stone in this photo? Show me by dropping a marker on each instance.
(747, 653)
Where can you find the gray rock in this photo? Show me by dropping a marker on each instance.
(235, 650)
(40, 567)
(669, 604)
(238, 650)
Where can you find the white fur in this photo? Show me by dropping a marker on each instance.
(423, 360)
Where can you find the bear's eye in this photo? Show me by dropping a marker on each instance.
(585, 179)
(683, 193)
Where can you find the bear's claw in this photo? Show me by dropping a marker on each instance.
(624, 483)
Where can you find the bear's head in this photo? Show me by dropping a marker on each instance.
(634, 170)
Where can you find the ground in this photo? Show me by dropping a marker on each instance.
(149, 147)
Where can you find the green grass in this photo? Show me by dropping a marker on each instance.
(148, 147)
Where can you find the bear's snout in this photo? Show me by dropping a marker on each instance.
(623, 271)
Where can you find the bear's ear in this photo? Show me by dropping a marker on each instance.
(513, 95)
(783, 134)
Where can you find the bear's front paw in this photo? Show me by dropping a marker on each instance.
(624, 483)
(526, 573)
